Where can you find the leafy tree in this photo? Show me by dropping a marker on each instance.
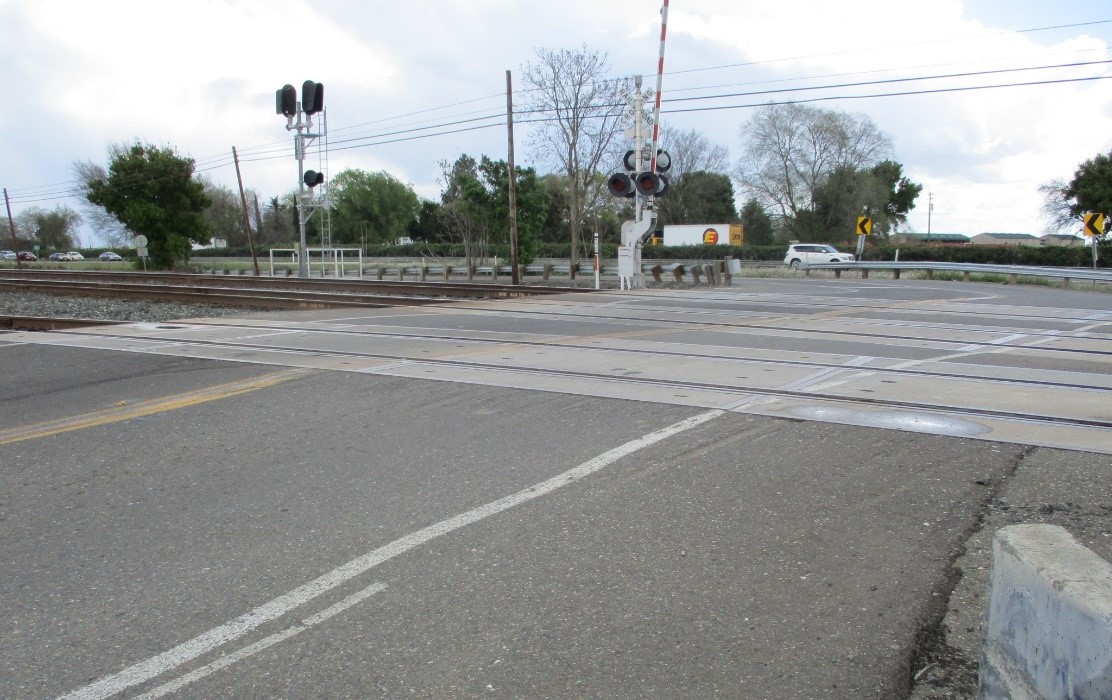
(532, 206)
(698, 197)
(880, 192)
(1090, 190)
(428, 227)
(475, 208)
(377, 203)
(757, 224)
(581, 110)
(224, 214)
(51, 230)
(279, 220)
(151, 191)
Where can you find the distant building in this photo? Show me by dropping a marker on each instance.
(931, 238)
(1063, 239)
(1006, 239)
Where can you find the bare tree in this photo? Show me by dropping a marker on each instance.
(104, 226)
(580, 109)
(691, 152)
(791, 150)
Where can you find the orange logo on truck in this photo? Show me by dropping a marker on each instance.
(710, 237)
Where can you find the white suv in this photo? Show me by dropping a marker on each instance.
(799, 253)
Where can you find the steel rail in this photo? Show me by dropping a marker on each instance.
(674, 384)
(219, 296)
(461, 290)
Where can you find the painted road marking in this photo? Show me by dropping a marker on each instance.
(261, 645)
(276, 608)
(149, 407)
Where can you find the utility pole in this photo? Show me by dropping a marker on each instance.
(246, 222)
(11, 225)
(930, 208)
(515, 274)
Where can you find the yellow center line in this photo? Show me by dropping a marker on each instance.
(148, 407)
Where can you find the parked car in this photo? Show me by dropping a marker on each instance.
(74, 255)
(109, 256)
(7, 255)
(27, 256)
(58, 257)
(799, 253)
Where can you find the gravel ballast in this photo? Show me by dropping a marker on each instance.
(52, 306)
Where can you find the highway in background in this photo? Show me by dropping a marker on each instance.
(748, 491)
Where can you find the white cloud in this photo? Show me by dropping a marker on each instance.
(201, 74)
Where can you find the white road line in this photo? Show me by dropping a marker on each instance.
(267, 612)
(262, 644)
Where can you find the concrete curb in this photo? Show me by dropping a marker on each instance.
(1048, 628)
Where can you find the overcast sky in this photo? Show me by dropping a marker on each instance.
(200, 75)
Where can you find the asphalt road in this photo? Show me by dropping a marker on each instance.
(313, 518)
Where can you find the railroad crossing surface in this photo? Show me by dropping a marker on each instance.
(750, 491)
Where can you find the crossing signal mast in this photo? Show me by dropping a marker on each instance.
(299, 118)
(643, 178)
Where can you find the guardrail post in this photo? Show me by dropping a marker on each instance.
(695, 274)
(895, 273)
(966, 276)
(424, 272)
(712, 279)
(930, 274)
(656, 271)
(837, 274)
(677, 272)
(1012, 278)
(1065, 281)
(864, 273)
(494, 271)
(379, 273)
(546, 271)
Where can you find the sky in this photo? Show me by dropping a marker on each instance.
(399, 77)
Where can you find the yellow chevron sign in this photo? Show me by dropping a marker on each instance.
(864, 226)
(1094, 224)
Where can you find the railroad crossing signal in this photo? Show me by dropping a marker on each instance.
(864, 226)
(1094, 224)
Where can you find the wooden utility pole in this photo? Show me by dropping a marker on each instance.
(516, 274)
(246, 223)
(11, 225)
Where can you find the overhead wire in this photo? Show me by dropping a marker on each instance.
(429, 128)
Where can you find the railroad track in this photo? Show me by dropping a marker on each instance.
(258, 292)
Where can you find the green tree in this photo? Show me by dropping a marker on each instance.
(224, 214)
(428, 227)
(51, 230)
(532, 206)
(1090, 190)
(151, 191)
(880, 192)
(698, 198)
(377, 203)
(757, 223)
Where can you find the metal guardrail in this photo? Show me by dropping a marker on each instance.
(968, 269)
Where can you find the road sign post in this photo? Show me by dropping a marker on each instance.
(864, 228)
(1094, 228)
